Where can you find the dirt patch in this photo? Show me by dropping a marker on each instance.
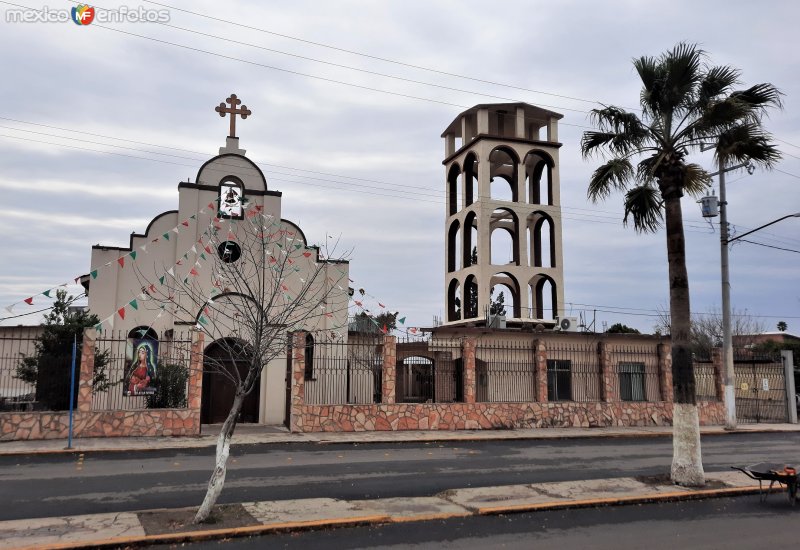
(158, 522)
(663, 480)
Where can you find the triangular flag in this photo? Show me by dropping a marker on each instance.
(203, 255)
(185, 223)
(161, 279)
(186, 280)
(384, 329)
(166, 236)
(152, 288)
(380, 304)
(194, 272)
(133, 254)
(143, 248)
(193, 216)
(98, 327)
(134, 304)
(121, 312)
(29, 301)
(298, 246)
(121, 261)
(175, 229)
(211, 205)
(94, 274)
(193, 249)
(46, 293)
(412, 330)
(307, 254)
(402, 320)
(171, 271)
(10, 308)
(202, 320)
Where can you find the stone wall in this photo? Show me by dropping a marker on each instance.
(471, 415)
(89, 423)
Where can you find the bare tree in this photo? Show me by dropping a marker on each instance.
(706, 329)
(248, 284)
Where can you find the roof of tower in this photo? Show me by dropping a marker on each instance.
(532, 113)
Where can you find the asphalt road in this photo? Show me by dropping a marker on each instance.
(729, 523)
(53, 485)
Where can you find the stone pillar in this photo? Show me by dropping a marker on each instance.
(665, 371)
(540, 370)
(468, 364)
(195, 393)
(787, 356)
(607, 375)
(298, 381)
(86, 372)
(389, 380)
(719, 373)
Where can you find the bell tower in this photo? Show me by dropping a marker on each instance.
(503, 214)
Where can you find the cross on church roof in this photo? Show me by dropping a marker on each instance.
(233, 101)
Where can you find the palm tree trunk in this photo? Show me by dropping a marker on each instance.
(217, 481)
(687, 464)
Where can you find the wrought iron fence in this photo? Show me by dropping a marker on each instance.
(429, 372)
(33, 381)
(760, 387)
(134, 372)
(636, 370)
(505, 372)
(573, 371)
(345, 372)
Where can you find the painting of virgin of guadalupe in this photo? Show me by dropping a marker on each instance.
(142, 376)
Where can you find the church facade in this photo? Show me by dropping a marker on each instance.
(177, 275)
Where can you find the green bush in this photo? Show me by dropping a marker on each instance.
(171, 389)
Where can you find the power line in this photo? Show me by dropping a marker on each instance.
(661, 312)
(770, 246)
(378, 58)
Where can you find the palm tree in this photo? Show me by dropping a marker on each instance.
(685, 103)
(782, 326)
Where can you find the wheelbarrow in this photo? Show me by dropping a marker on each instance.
(774, 473)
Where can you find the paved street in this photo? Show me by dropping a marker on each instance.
(50, 485)
(730, 523)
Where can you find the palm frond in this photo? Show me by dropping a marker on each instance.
(760, 95)
(747, 142)
(651, 74)
(695, 179)
(614, 174)
(716, 82)
(643, 205)
(620, 132)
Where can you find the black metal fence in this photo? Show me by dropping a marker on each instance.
(760, 388)
(573, 371)
(429, 372)
(636, 371)
(34, 379)
(345, 372)
(134, 373)
(505, 372)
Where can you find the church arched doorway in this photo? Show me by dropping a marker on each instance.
(224, 362)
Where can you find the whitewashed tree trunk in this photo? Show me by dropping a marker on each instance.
(217, 481)
(687, 463)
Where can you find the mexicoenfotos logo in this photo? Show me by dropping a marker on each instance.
(83, 14)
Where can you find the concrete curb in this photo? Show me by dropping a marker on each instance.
(216, 534)
(467, 438)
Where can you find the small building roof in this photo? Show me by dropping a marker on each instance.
(532, 112)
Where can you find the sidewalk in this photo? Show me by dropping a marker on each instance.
(253, 518)
(256, 434)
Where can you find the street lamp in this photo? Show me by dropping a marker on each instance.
(727, 340)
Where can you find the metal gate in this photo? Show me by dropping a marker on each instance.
(760, 389)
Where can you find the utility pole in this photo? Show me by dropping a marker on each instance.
(727, 343)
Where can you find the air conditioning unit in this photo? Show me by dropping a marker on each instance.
(567, 324)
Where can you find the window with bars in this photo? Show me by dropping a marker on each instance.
(631, 381)
(559, 380)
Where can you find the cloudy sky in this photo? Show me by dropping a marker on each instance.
(349, 99)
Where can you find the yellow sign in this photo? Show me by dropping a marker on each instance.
(745, 386)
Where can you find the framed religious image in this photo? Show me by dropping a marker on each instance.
(231, 195)
(141, 374)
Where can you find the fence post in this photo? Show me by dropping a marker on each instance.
(468, 363)
(298, 381)
(665, 371)
(788, 369)
(540, 367)
(194, 394)
(87, 370)
(389, 371)
(607, 372)
(719, 373)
